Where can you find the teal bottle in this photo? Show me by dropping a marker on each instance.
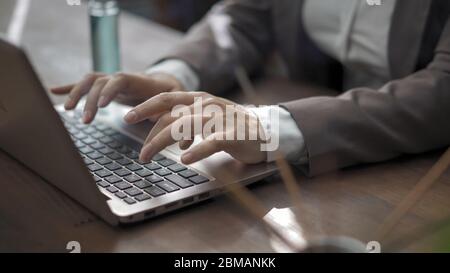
(104, 24)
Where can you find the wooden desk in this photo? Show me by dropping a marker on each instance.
(36, 217)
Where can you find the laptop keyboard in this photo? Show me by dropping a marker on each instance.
(115, 165)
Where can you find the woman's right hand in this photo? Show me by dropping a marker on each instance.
(101, 89)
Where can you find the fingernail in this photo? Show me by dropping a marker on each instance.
(102, 101)
(87, 116)
(146, 153)
(143, 157)
(131, 117)
(187, 158)
(146, 159)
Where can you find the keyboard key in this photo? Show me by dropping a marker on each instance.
(167, 186)
(113, 166)
(103, 184)
(162, 172)
(97, 135)
(144, 173)
(89, 130)
(87, 161)
(106, 139)
(152, 166)
(122, 172)
(121, 195)
(142, 197)
(124, 161)
(133, 167)
(110, 132)
(132, 178)
(166, 162)
(133, 192)
(106, 150)
(154, 191)
(113, 179)
(94, 167)
(114, 144)
(97, 145)
(103, 173)
(101, 126)
(80, 126)
(97, 179)
(115, 156)
(154, 179)
(103, 161)
(72, 130)
(79, 144)
(187, 173)
(133, 155)
(112, 189)
(123, 150)
(177, 168)
(80, 135)
(94, 155)
(198, 179)
(143, 184)
(129, 200)
(158, 157)
(68, 116)
(179, 181)
(122, 185)
(89, 141)
(86, 150)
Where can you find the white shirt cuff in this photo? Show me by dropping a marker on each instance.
(180, 70)
(291, 143)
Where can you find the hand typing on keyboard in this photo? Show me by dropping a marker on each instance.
(101, 89)
(230, 133)
(160, 90)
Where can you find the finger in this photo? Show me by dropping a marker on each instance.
(157, 144)
(160, 103)
(185, 144)
(190, 109)
(90, 108)
(167, 119)
(117, 84)
(164, 121)
(213, 144)
(79, 90)
(192, 123)
(62, 90)
(166, 138)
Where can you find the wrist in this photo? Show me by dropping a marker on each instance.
(185, 76)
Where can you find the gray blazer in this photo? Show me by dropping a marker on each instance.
(410, 114)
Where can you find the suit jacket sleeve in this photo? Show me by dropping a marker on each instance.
(251, 32)
(406, 116)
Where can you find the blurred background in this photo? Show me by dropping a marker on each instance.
(163, 22)
(177, 14)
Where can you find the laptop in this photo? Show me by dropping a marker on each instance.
(97, 164)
